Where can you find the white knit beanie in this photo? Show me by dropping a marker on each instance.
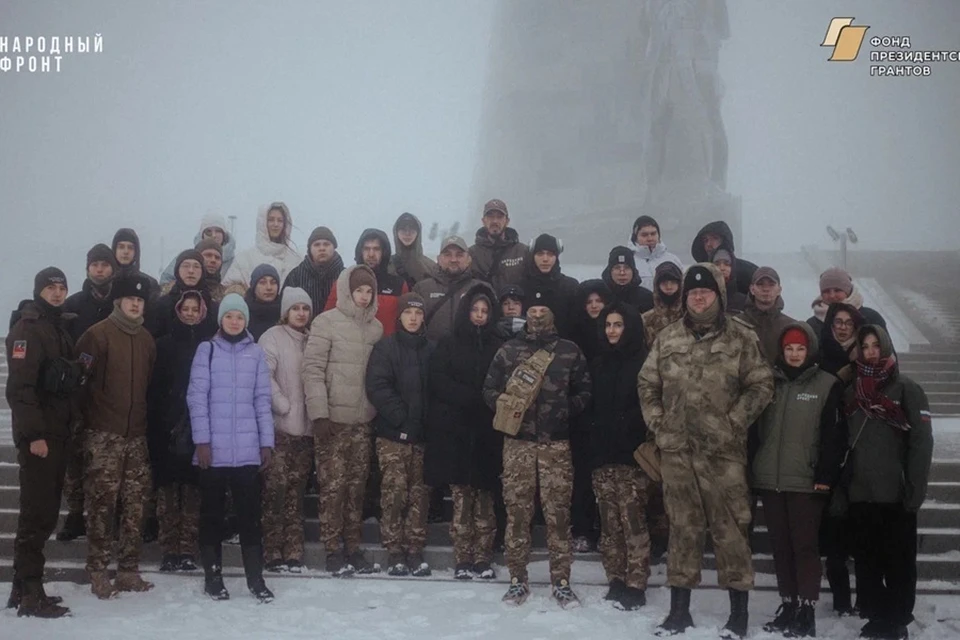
(292, 296)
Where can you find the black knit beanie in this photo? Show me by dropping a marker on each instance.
(46, 277)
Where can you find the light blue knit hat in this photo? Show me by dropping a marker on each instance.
(233, 302)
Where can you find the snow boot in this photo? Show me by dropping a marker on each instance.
(188, 562)
(275, 566)
(679, 619)
(786, 613)
(398, 565)
(16, 595)
(564, 595)
(884, 629)
(517, 593)
(253, 569)
(617, 587)
(73, 527)
(361, 565)
(211, 558)
(484, 571)
(631, 599)
(151, 530)
(804, 623)
(36, 604)
(736, 626)
(418, 566)
(131, 581)
(294, 566)
(101, 586)
(170, 563)
(337, 565)
(463, 571)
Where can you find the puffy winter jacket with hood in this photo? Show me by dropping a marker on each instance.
(701, 393)
(336, 355)
(498, 261)
(389, 287)
(664, 313)
(744, 268)
(614, 421)
(229, 247)
(280, 255)
(129, 235)
(409, 262)
(284, 347)
(802, 435)
(229, 400)
(462, 446)
(649, 259)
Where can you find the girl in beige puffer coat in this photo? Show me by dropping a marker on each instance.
(334, 365)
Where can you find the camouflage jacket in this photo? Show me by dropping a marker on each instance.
(566, 387)
(702, 394)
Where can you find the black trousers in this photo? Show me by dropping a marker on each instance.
(835, 545)
(244, 486)
(885, 550)
(584, 516)
(41, 485)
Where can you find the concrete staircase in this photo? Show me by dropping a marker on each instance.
(938, 372)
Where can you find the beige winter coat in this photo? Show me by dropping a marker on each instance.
(335, 360)
(283, 347)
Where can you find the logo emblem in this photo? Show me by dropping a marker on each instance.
(19, 350)
(845, 38)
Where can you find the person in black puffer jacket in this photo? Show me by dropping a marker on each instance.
(543, 282)
(592, 297)
(263, 300)
(463, 450)
(397, 385)
(169, 435)
(623, 279)
(616, 428)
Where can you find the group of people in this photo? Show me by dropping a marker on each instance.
(489, 372)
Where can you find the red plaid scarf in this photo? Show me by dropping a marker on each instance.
(869, 397)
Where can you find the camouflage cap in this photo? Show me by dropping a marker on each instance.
(495, 205)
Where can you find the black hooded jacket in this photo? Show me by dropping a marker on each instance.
(88, 308)
(129, 235)
(462, 446)
(736, 300)
(387, 284)
(161, 313)
(744, 268)
(585, 330)
(834, 358)
(167, 399)
(614, 420)
(554, 289)
(632, 293)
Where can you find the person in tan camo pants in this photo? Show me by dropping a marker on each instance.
(286, 477)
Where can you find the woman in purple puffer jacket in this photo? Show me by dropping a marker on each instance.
(229, 401)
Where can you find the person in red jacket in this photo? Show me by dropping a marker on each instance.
(373, 250)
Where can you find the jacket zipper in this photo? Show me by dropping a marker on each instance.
(130, 409)
(233, 353)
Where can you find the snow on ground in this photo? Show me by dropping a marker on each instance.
(402, 609)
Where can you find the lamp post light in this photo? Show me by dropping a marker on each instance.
(847, 235)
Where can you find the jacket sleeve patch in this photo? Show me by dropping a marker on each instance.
(19, 350)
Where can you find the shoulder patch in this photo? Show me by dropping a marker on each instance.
(19, 350)
(86, 359)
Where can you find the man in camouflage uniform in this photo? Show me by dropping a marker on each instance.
(121, 354)
(540, 450)
(702, 385)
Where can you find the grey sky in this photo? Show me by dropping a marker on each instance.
(353, 112)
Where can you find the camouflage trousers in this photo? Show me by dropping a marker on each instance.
(704, 492)
(178, 512)
(116, 468)
(474, 524)
(524, 463)
(343, 464)
(404, 498)
(284, 483)
(73, 482)
(657, 522)
(624, 540)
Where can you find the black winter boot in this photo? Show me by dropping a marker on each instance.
(616, 589)
(736, 626)
(631, 599)
(211, 559)
(679, 619)
(253, 569)
(151, 530)
(73, 527)
(786, 613)
(804, 625)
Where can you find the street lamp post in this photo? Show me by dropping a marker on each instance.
(842, 238)
(232, 219)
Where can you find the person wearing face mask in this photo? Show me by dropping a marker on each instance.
(273, 247)
(43, 411)
(169, 435)
(462, 449)
(121, 354)
(397, 385)
(702, 385)
(537, 454)
(263, 300)
(189, 276)
(801, 444)
(229, 397)
(623, 280)
(615, 428)
(667, 306)
(90, 305)
(650, 250)
(334, 364)
(286, 477)
(891, 445)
